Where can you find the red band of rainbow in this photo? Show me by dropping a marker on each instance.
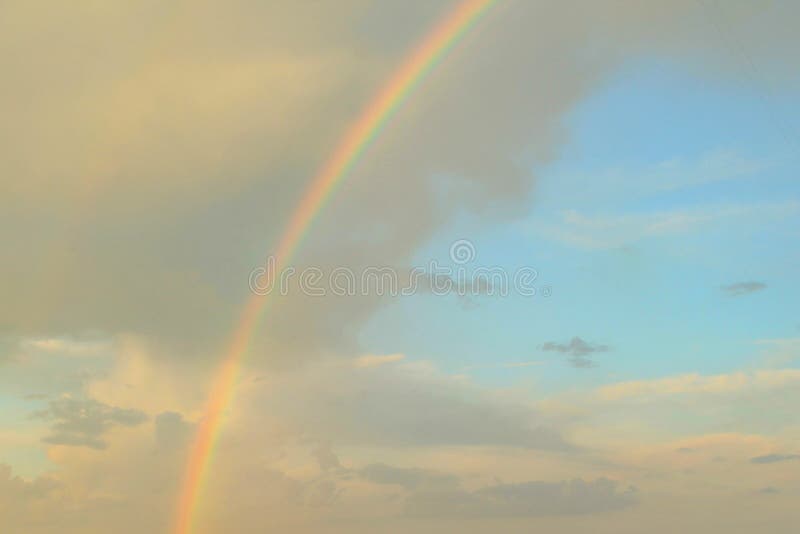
(358, 138)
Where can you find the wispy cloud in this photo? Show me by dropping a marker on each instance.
(774, 458)
(68, 346)
(409, 478)
(606, 231)
(505, 365)
(694, 383)
(676, 173)
(534, 498)
(743, 288)
(372, 360)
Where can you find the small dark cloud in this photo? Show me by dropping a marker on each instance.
(743, 288)
(445, 284)
(84, 422)
(774, 458)
(769, 490)
(577, 350)
(685, 450)
(536, 498)
(467, 291)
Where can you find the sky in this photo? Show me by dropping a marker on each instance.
(639, 158)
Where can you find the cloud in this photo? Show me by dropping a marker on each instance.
(774, 458)
(673, 174)
(84, 422)
(780, 352)
(14, 486)
(279, 463)
(157, 171)
(371, 360)
(326, 458)
(610, 231)
(68, 346)
(87, 155)
(171, 431)
(408, 478)
(505, 365)
(743, 288)
(577, 351)
(695, 383)
(6, 349)
(408, 404)
(535, 498)
(21, 499)
(49, 367)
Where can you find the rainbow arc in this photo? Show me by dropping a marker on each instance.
(355, 142)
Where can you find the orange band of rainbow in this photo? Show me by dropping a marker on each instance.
(359, 136)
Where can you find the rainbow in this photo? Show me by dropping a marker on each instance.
(348, 152)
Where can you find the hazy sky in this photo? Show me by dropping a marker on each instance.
(641, 157)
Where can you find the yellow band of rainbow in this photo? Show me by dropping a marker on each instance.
(358, 138)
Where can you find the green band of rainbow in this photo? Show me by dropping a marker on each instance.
(358, 138)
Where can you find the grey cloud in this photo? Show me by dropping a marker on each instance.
(466, 291)
(7, 348)
(577, 351)
(84, 422)
(743, 288)
(408, 478)
(171, 431)
(774, 458)
(23, 502)
(134, 171)
(535, 498)
(403, 406)
(326, 458)
(15, 487)
(37, 375)
(320, 493)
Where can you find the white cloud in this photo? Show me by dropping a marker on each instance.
(601, 231)
(69, 346)
(700, 384)
(631, 183)
(371, 360)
